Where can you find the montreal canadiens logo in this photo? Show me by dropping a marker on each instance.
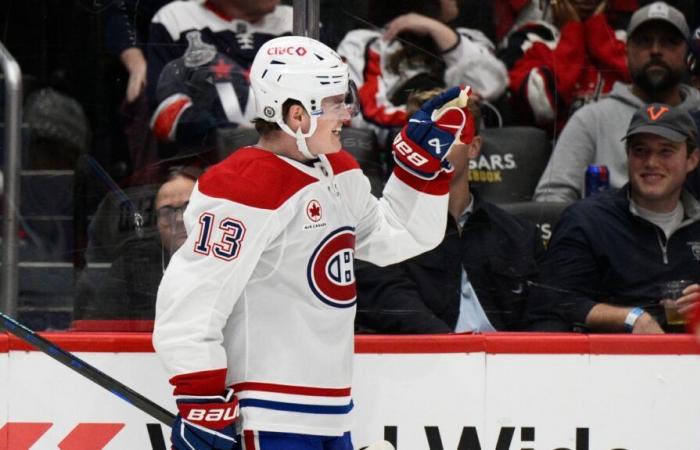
(330, 271)
(313, 211)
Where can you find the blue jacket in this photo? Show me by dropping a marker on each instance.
(601, 252)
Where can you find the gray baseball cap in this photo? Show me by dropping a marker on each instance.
(659, 11)
(674, 124)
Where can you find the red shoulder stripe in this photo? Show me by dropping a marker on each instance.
(342, 162)
(254, 177)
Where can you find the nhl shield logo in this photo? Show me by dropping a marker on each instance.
(330, 271)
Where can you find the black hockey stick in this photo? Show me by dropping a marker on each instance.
(90, 372)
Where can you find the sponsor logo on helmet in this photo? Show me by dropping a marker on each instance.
(330, 271)
(300, 51)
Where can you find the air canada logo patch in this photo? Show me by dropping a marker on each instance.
(314, 213)
(330, 271)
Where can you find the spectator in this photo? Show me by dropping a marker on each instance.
(557, 68)
(656, 52)
(126, 24)
(475, 280)
(129, 291)
(611, 252)
(207, 87)
(416, 50)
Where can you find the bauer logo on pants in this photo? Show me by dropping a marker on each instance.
(330, 270)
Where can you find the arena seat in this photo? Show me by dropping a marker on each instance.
(228, 140)
(362, 144)
(114, 221)
(46, 215)
(511, 162)
(543, 214)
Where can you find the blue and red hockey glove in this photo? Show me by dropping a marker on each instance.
(431, 133)
(205, 422)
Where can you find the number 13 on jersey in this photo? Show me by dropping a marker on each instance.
(228, 246)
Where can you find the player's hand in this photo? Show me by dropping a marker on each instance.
(205, 422)
(427, 138)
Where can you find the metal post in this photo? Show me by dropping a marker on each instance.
(13, 122)
(307, 18)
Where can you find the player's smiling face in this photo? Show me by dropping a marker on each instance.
(326, 138)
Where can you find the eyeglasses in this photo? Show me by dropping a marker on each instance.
(168, 213)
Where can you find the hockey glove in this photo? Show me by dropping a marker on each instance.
(205, 422)
(430, 134)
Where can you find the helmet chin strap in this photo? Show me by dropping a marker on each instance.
(301, 137)
(301, 145)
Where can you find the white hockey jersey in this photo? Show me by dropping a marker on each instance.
(264, 286)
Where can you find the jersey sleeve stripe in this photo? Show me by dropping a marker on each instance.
(289, 389)
(438, 186)
(296, 407)
(164, 121)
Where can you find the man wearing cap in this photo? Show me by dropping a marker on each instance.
(656, 53)
(611, 252)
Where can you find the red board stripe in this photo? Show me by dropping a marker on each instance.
(503, 342)
(90, 436)
(4, 344)
(21, 435)
(427, 343)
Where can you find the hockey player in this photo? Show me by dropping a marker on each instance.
(256, 309)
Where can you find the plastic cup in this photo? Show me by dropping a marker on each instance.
(670, 292)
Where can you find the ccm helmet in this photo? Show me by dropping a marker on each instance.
(303, 69)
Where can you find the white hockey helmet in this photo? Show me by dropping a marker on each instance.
(303, 69)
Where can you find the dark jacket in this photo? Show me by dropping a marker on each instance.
(601, 252)
(500, 254)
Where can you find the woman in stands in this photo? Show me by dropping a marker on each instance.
(409, 46)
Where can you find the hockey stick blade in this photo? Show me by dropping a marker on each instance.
(90, 372)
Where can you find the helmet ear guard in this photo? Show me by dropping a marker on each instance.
(298, 68)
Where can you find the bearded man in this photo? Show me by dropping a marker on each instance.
(656, 51)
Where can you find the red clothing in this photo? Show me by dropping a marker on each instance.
(554, 72)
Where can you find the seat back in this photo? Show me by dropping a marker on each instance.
(115, 221)
(543, 214)
(510, 165)
(362, 144)
(228, 140)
